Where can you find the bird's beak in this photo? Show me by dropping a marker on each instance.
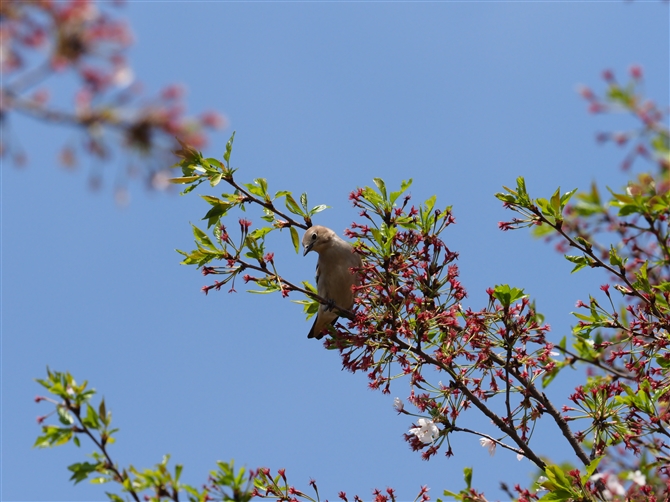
(308, 248)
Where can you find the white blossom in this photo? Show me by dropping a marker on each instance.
(488, 443)
(539, 482)
(520, 456)
(427, 431)
(398, 404)
(638, 478)
(612, 485)
(123, 76)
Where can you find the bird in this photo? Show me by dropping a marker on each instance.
(334, 278)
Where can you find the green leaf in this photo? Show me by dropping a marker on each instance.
(506, 295)
(64, 416)
(404, 185)
(617, 94)
(557, 477)
(263, 184)
(184, 179)
(215, 179)
(102, 410)
(467, 475)
(663, 361)
(80, 471)
(542, 230)
(567, 196)
(558, 495)
(318, 209)
(215, 213)
(229, 149)
(521, 190)
(259, 233)
(214, 201)
(303, 201)
(430, 203)
(549, 376)
(579, 261)
(556, 202)
(583, 242)
(615, 259)
(506, 197)
(91, 420)
(293, 206)
(591, 468)
(624, 198)
(642, 282)
(373, 197)
(255, 189)
(381, 186)
(202, 238)
(192, 187)
(295, 239)
(545, 207)
(214, 162)
(200, 257)
(628, 209)
(55, 436)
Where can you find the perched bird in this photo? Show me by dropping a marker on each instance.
(334, 279)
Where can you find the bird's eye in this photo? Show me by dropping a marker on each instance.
(314, 236)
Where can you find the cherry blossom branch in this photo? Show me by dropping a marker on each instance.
(616, 372)
(101, 446)
(508, 383)
(86, 40)
(38, 111)
(289, 286)
(541, 398)
(490, 438)
(267, 204)
(30, 78)
(511, 432)
(620, 274)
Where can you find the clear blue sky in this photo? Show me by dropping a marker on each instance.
(462, 97)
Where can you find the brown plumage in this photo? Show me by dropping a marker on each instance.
(334, 279)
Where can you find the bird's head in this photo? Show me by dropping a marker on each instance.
(316, 238)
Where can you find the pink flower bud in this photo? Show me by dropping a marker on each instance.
(635, 71)
(585, 92)
(172, 92)
(595, 107)
(213, 120)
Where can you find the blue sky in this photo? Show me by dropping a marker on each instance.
(462, 97)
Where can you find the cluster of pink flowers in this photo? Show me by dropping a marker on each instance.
(43, 40)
